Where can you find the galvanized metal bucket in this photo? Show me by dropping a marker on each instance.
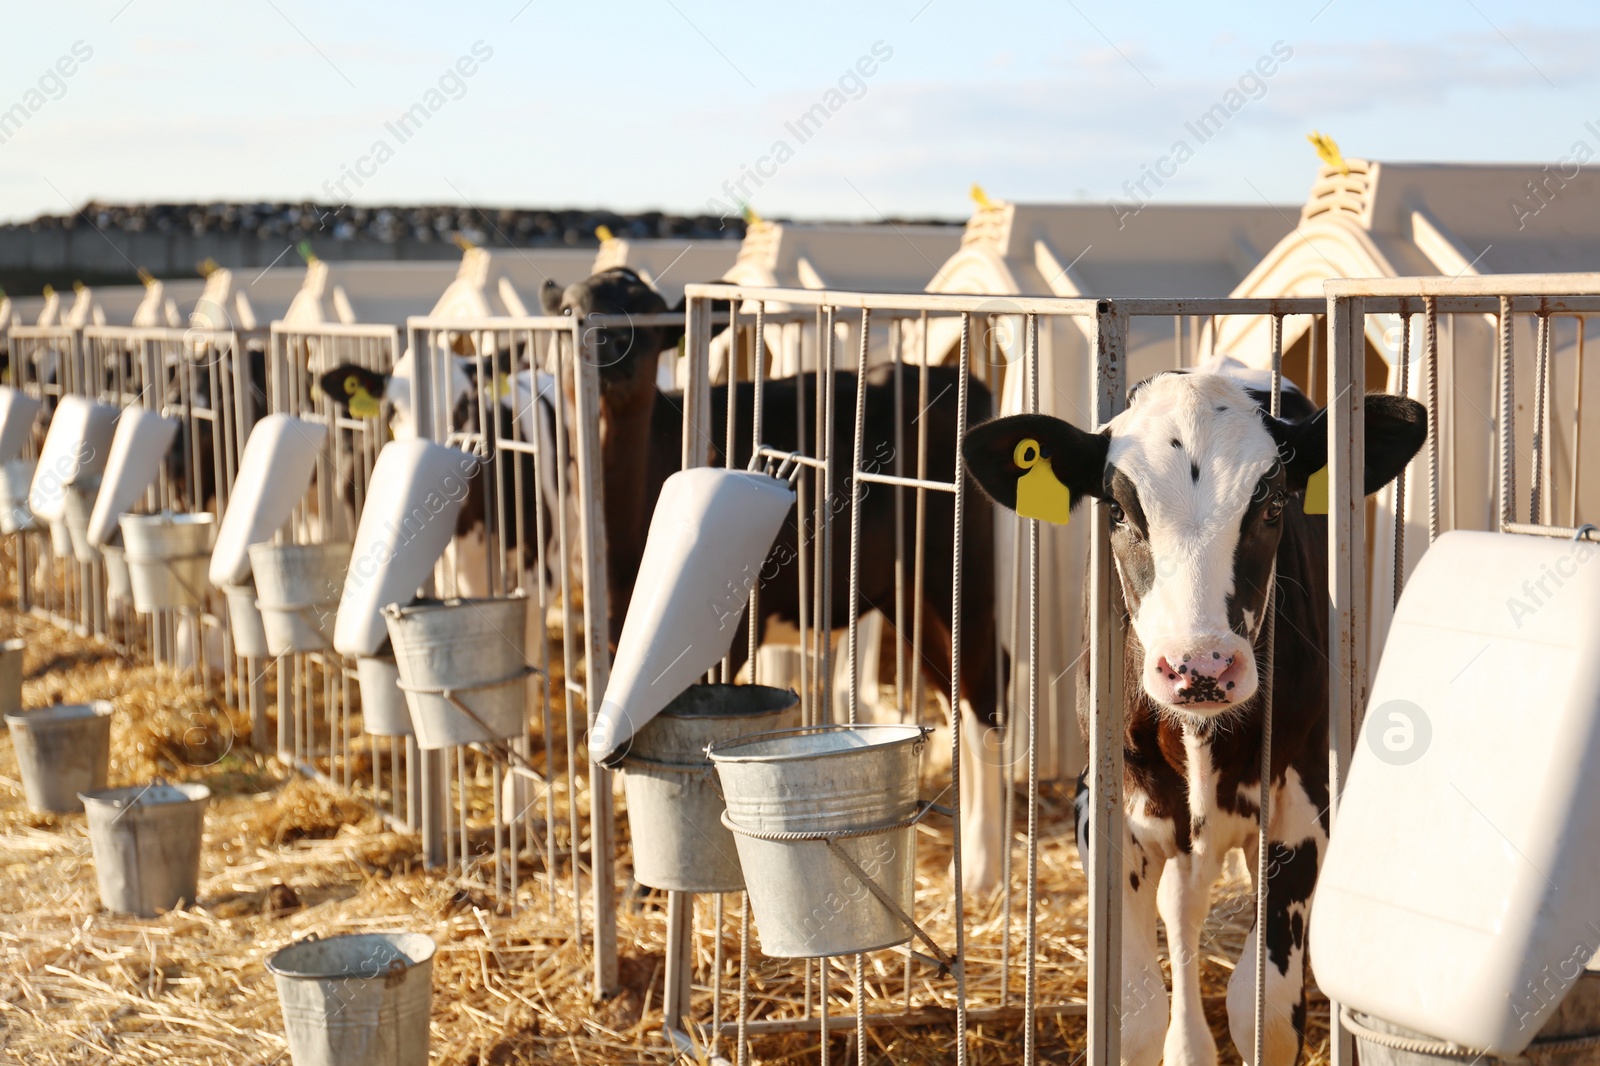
(119, 585)
(383, 706)
(11, 675)
(167, 555)
(16, 475)
(61, 750)
(297, 589)
(146, 842)
(244, 621)
(77, 502)
(356, 1000)
(674, 808)
(795, 796)
(462, 667)
(1570, 1036)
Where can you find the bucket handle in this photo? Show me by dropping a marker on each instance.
(948, 964)
(507, 754)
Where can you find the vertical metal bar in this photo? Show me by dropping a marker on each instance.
(680, 960)
(566, 364)
(854, 607)
(1030, 1049)
(1263, 874)
(1577, 421)
(963, 377)
(1507, 414)
(896, 340)
(1541, 419)
(742, 1052)
(825, 441)
(1400, 480)
(856, 449)
(757, 428)
(1346, 563)
(597, 655)
(1109, 341)
(1430, 312)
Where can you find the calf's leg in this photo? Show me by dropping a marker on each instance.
(1297, 842)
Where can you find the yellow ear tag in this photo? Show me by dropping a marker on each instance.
(503, 389)
(1039, 493)
(1317, 493)
(362, 405)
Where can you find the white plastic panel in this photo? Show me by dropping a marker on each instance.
(415, 495)
(137, 449)
(1461, 891)
(75, 448)
(709, 537)
(274, 473)
(17, 412)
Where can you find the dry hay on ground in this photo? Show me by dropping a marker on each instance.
(286, 857)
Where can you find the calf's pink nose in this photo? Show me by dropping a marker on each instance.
(1208, 675)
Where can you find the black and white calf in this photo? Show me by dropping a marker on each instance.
(1204, 490)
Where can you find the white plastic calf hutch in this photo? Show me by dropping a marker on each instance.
(1387, 220)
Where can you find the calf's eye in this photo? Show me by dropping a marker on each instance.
(1274, 508)
(1118, 516)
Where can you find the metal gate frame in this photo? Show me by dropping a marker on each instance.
(1108, 322)
(1349, 301)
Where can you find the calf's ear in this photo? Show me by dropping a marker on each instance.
(1396, 428)
(550, 297)
(1046, 464)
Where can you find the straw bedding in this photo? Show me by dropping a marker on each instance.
(285, 856)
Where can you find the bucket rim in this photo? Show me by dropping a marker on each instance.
(168, 518)
(668, 712)
(430, 604)
(722, 751)
(126, 797)
(53, 716)
(428, 948)
(332, 547)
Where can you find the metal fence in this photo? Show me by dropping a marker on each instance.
(1451, 343)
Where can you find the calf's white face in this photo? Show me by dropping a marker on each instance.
(1196, 494)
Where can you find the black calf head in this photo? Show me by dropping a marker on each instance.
(1196, 477)
(357, 390)
(626, 354)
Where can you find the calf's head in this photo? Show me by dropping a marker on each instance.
(1197, 479)
(626, 354)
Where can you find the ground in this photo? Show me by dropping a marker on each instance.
(285, 857)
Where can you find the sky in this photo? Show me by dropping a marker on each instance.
(668, 104)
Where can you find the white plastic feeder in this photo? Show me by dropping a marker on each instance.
(709, 537)
(274, 473)
(16, 475)
(415, 494)
(17, 412)
(75, 449)
(138, 446)
(1458, 894)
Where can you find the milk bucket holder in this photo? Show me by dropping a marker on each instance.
(785, 466)
(947, 964)
(1559, 1045)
